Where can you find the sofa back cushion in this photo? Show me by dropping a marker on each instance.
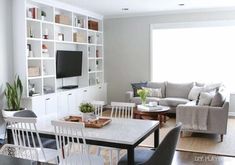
(180, 90)
(161, 85)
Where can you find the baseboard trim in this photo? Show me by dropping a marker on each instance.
(231, 114)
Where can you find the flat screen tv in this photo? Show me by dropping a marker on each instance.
(68, 63)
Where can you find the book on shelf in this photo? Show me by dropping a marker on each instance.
(35, 13)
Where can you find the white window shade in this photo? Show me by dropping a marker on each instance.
(203, 54)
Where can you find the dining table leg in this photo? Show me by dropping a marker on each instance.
(130, 156)
(156, 137)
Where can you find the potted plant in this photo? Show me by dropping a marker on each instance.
(13, 93)
(43, 15)
(87, 110)
(143, 93)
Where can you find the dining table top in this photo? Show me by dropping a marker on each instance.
(119, 130)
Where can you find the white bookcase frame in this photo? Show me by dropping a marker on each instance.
(93, 65)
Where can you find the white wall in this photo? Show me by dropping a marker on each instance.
(127, 47)
(6, 52)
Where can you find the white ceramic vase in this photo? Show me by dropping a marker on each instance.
(86, 116)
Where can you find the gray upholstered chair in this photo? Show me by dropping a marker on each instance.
(163, 155)
(46, 143)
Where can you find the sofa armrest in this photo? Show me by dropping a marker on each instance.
(217, 117)
(129, 95)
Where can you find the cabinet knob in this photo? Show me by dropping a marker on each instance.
(100, 87)
(47, 98)
(85, 91)
(70, 94)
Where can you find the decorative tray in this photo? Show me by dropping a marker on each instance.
(99, 123)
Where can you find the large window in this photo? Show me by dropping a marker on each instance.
(203, 54)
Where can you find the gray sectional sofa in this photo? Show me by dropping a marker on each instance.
(173, 94)
(176, 96)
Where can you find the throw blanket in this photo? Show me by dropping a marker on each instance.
(192, 117)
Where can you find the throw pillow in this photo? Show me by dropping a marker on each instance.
(194, 92)
(218, 100)
(154, 92)
(205, 98)
(136, 86)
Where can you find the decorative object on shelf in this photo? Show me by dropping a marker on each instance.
(87, 110)
(31, 89)
(143, 93)
(43, 15)
(33, 71)
(29, 48)
(44, 70)
(48, 89)
(13, 94)
(89, 39)
(45, 36)
(89, 52)
(97, 53)
(79, 37)
(29, 13)
(62, 19)
(97, 81)
(98, 39)
(61, 36)
(97, 64)
(93, 25)
(45, 50)
(31, 35)
(77, 22)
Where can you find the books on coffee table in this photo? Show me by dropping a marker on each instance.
(148, 107)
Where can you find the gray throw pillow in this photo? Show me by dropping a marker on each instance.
(205, 98)
(218, 100)
(194, 92)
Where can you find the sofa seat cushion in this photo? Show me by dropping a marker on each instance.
(137, 100)
(179, 90)
(173, 101)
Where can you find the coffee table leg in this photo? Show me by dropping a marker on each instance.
(164, 118)
(160, 119)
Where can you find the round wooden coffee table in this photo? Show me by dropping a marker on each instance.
(153, 114)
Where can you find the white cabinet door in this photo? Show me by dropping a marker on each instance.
(67, 103)
(62, 103)
(72, 103)
(50, 105)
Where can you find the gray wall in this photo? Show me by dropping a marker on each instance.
(127, 47)
(6, 53)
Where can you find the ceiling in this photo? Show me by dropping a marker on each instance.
(113, 8)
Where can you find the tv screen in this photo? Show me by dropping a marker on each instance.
(68, 63)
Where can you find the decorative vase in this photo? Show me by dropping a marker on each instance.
(143, 101)
(86, 116)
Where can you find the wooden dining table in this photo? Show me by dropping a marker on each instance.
(119, 133)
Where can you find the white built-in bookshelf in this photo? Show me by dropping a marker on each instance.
(39, 37)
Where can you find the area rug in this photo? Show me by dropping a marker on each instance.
(201, 143)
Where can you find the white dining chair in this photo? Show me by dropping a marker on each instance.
(119, 110)
(71, 144)
(98, 107)
(27, 143)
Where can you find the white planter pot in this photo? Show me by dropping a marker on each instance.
(86, 116)
(6, 113)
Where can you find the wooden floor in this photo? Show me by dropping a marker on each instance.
(190, 158)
